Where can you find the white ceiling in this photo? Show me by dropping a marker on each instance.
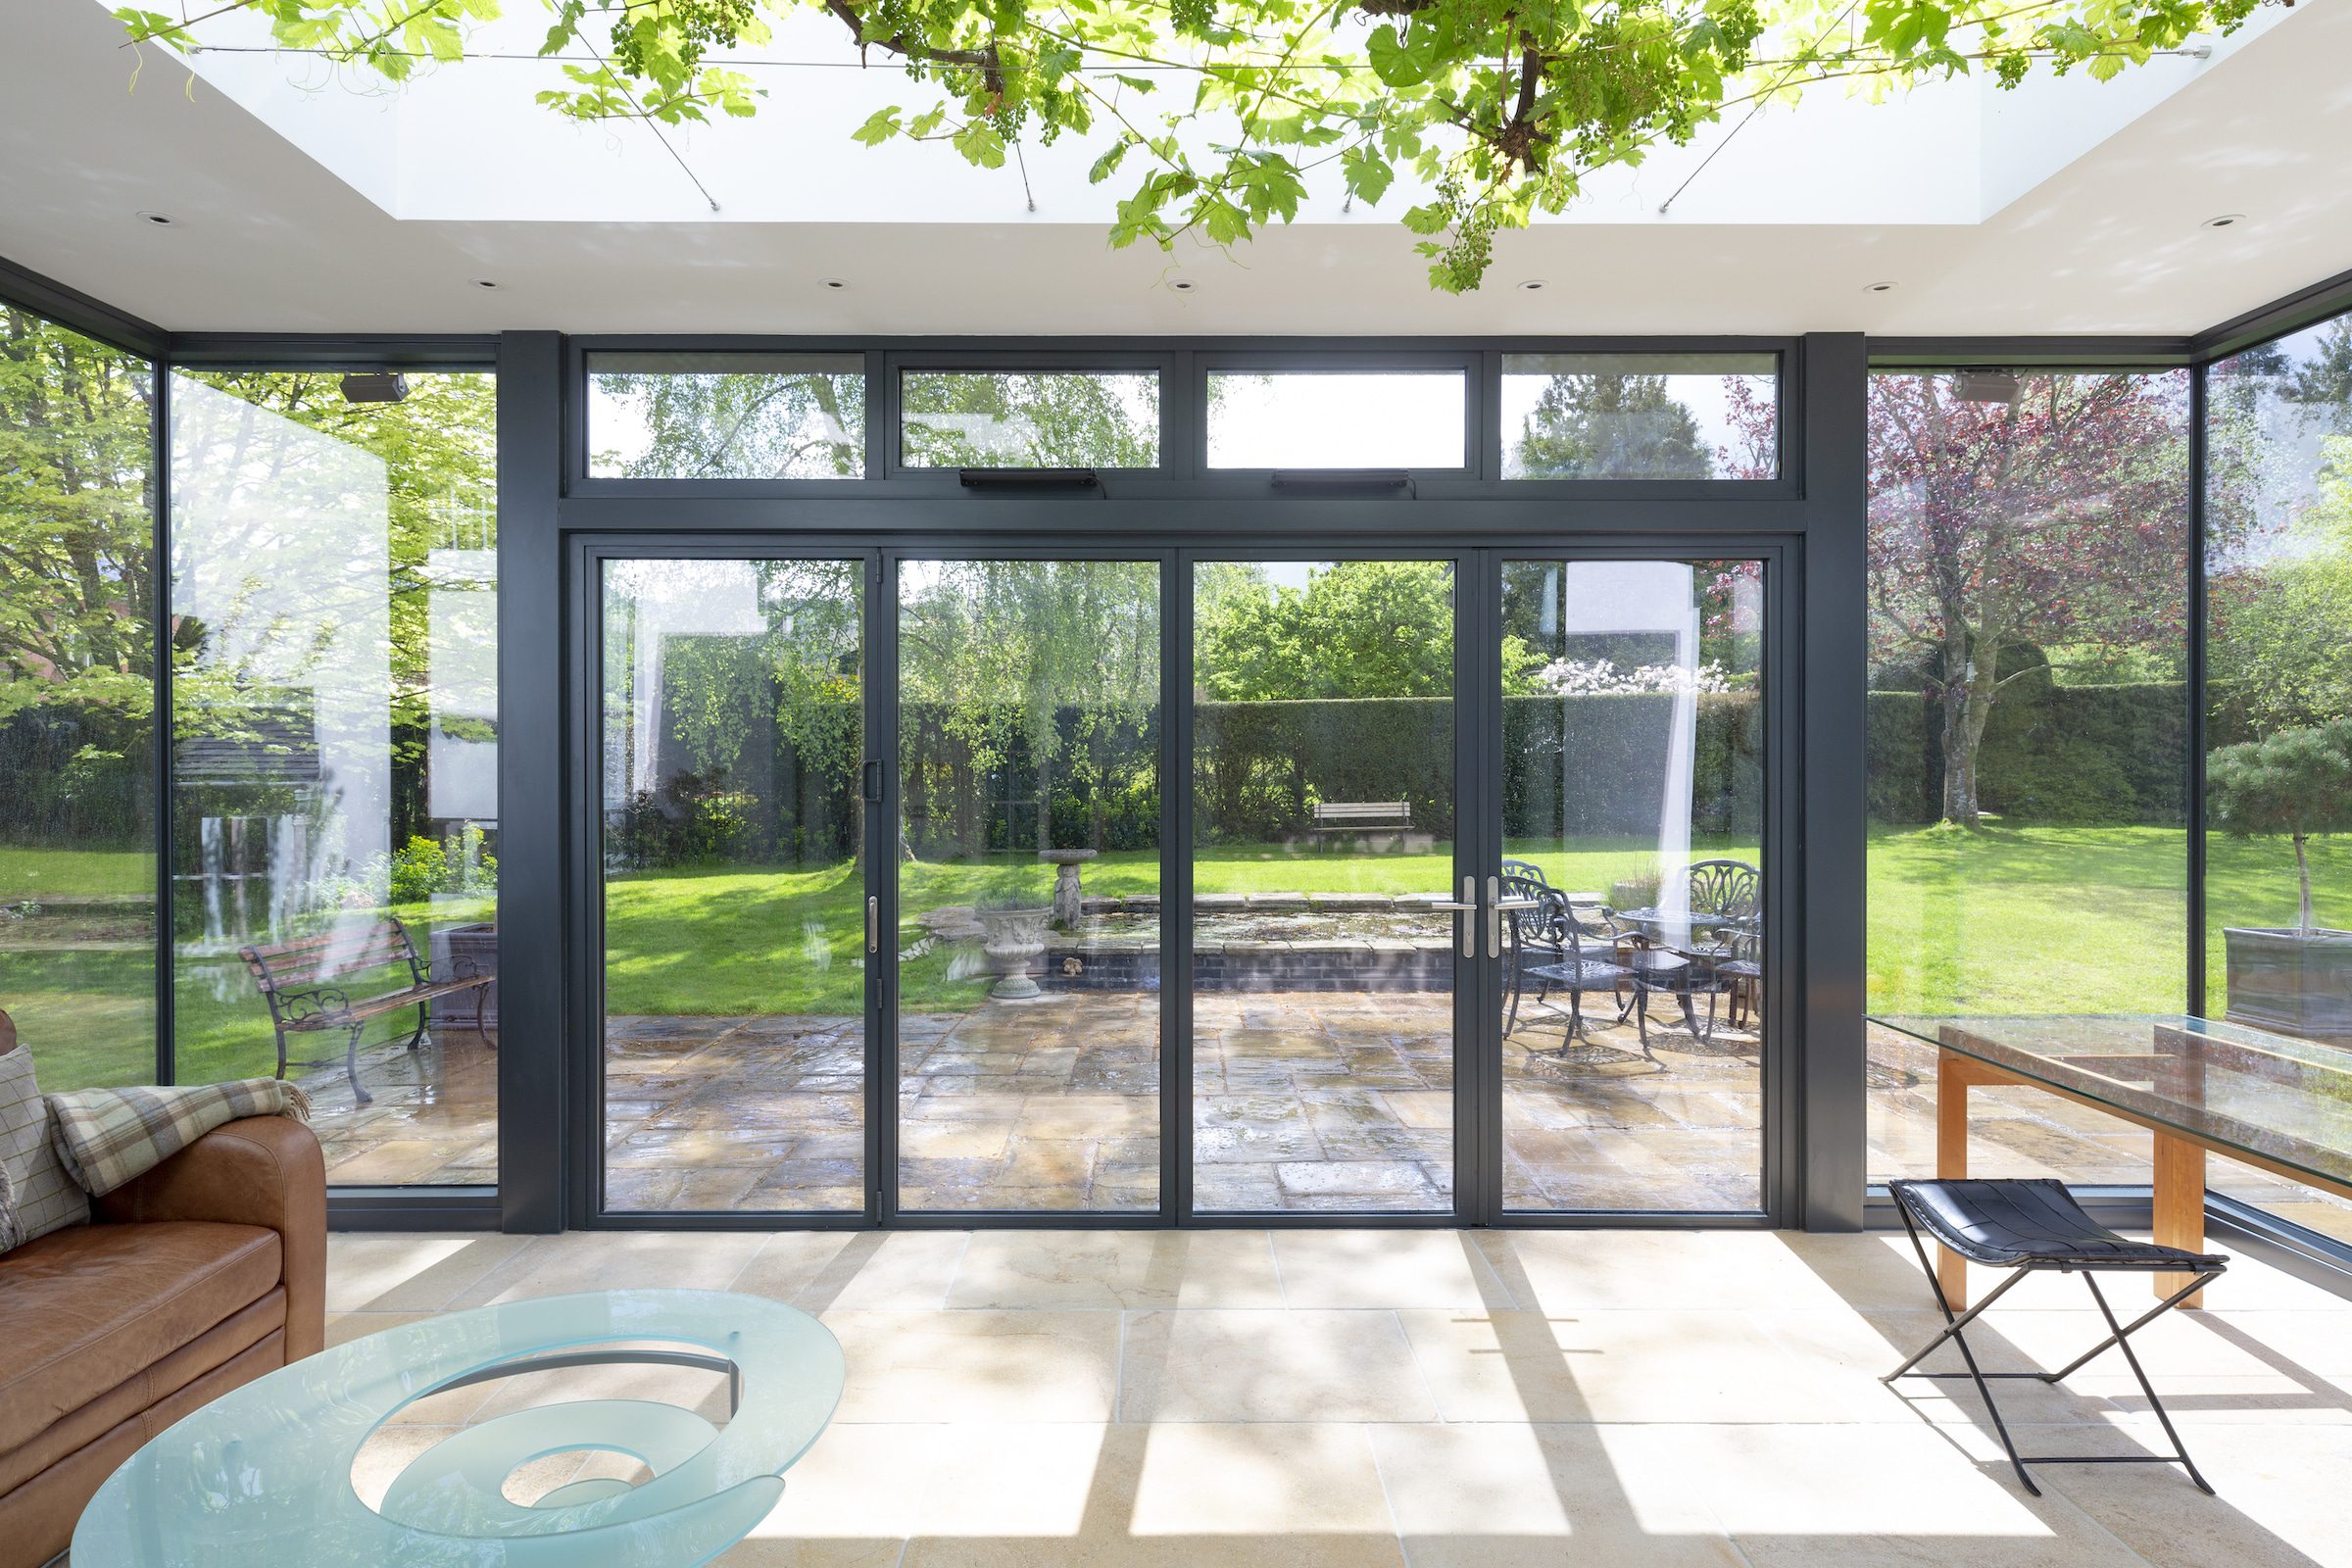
(2073, 208)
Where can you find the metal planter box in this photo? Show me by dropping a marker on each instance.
(2294, 982)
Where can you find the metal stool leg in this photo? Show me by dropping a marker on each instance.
(2123, 1343)
(1954, 1329)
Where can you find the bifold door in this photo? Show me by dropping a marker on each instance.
(1179, 884)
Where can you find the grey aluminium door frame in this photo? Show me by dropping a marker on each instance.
(1478, 845)
(1813, 517)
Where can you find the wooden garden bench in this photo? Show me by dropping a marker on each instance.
(294, 976)
(1361, 817)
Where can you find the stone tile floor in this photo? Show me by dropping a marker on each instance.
(1325, 1399)
(1304, 1101)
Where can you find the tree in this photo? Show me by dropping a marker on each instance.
(294, 608)
(1035, 668)
(1995, 526)
(2298, 783)
(77, 582)
(2278, 649)
(757, 425)
(1492, 110)
(1611, 427)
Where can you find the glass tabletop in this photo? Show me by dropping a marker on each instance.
(270, 1463)
(2271, 1096)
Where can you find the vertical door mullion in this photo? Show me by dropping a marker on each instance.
(1485, 746)
(1469, 1046)
(1176, 888)
(882, 886)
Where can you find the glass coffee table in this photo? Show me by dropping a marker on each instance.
(262, 1474)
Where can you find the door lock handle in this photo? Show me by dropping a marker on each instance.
(873, 925)
(1466, 908)
(1494, 917)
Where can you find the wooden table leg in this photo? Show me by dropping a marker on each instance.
(2180, 1208)
(1951, 1162)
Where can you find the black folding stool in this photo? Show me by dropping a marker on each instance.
(2036, 1227)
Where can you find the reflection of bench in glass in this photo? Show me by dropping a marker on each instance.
(1391, 821)
(293, 976)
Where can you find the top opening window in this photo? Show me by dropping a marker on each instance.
(1029, 418)
(727, 416)
(1338, 420)
(1640, 416)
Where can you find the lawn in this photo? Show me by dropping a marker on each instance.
(2039, 918)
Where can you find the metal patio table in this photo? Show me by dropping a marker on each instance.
(262, 1475)
(2272, 1102)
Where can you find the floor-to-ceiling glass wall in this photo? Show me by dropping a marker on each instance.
(1630, 756)
(1027, 856)
(2278, 710)
(1323, 832)
(334, 759)
(734, 913)
(2028, 738)
(78, 732)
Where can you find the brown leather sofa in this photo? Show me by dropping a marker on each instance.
(202, 1274)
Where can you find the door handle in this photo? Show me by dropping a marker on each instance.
(1466, 908)
(1494, 917)
(873, 925)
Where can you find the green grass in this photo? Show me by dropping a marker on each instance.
(706, 942)
(2030, 918)
(33, 873)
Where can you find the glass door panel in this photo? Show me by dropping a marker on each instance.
(1323, 823)
(1632, 768)
(734, 886)
(1028, 876)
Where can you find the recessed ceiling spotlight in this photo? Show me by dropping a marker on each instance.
(836, 284)
(159, 219)
(2226, 220)
(484, 282)
(1878, 288)
(1182, 285)
(1533, 285)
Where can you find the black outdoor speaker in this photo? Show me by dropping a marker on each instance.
(374, 386)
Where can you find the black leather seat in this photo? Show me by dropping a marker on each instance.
(2036, 1227)
(2011, 1224)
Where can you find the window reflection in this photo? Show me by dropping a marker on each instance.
(334, 761)
(78, 654)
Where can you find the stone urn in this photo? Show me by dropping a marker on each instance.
(1012, 939)
(1069, 901)
(2290, 980)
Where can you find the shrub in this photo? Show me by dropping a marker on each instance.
(2297, 782)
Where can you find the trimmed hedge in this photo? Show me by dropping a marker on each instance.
(2052, 753)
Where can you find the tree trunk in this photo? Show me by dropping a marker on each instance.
(1968, 702)
(2303, 872)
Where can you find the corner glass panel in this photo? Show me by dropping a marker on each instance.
(1640, 416)
(2278, 721)
(734, 886)
(1633, 794)
(2027, 737)
(334, 840)
(1338, 420)
(1028, 872)
(727, 416)
(77, 732)
(1029, 420)
(1323, 825)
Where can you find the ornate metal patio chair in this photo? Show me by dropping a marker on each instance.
(2036, 1227)
(1551, 946)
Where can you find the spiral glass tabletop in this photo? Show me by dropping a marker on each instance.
(264, 1474)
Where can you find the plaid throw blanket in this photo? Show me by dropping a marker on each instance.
(104, 1137)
